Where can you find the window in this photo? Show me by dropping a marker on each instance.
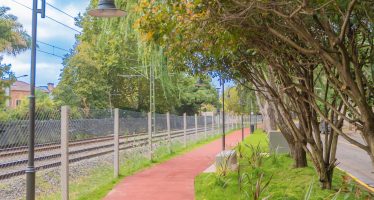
(18, 102)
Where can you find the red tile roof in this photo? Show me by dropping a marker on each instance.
(23, 86)
(20, 86)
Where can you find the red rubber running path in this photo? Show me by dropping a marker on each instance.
(173, 179)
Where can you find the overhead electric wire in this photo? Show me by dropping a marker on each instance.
(67, 26)
(61, 11)
(53, 46)
(49, 53)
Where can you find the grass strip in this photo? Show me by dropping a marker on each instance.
(286, 182)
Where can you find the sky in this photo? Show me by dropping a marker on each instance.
(48, 67)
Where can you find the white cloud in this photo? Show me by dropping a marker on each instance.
(48, 67)
(45, 71)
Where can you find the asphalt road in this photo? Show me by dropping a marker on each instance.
(355, 160)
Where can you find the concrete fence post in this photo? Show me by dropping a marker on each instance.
(196, 137)
(65, 152)
(116, 143)
(150, 135)
(184, 130)
(168, 130)
(205, 136)
(212, 131)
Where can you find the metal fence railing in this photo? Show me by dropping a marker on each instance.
(73, 145)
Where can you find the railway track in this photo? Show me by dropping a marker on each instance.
(99, 146)
(50, 146)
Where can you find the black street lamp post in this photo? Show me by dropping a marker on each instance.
(30, 170)
(242, 127)
(223, 115)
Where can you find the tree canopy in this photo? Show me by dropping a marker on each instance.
(111, 66)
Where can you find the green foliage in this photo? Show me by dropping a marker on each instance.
(193, 96)
(240, 100)
(256, 157)
(308, 193)
(109, 48)
(13, 40)
(254, 191)
(280, 181)
(286, 183)
(7, 78)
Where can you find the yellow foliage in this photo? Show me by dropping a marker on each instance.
(148, 36)
(136, 24)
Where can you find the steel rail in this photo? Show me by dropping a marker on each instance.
(140, 142)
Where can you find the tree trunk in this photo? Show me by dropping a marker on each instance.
(272, 119)
(326, 178)
(371, 153)
(326, 185)
(299, 155)
(296, 148)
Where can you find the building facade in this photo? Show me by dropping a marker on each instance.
(19, 91)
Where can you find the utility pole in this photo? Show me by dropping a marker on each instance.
(30, 170)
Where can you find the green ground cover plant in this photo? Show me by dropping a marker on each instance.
(270, 176)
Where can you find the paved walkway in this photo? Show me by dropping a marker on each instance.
(355, 160)
(173, 179)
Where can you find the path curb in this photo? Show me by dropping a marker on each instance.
(366, 186)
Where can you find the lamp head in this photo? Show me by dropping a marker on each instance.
(106, 8)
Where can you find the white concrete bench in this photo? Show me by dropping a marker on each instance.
(227, 159)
